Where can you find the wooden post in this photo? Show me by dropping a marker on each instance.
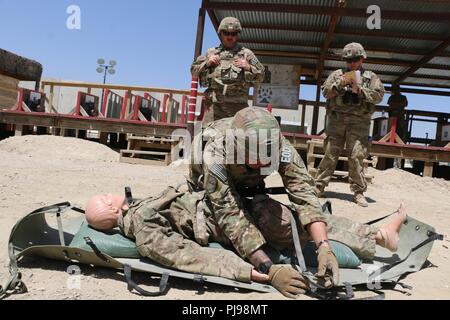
(439, 130)
(315, 120)
(50, 103)
(428, 169)
(302, 127)
(18, 130)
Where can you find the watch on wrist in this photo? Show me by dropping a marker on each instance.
(264, 267)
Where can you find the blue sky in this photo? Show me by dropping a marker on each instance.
(152, 41)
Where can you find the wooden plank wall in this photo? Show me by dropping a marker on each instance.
(8, 92)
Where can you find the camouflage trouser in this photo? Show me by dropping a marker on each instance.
(273, 220)
(352, 131)
(219, 107)
(170, 237)
(175, 237)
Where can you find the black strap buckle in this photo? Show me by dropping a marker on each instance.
(133, 286)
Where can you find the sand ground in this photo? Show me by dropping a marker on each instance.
(42, 170)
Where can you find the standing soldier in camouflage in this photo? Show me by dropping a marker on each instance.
(350, 107)
(227, 72)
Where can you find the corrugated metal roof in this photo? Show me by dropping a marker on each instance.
(277, 47)
(327, 3)
(441, 60)
(308, 38)
(399, 5)
(432, 82)
(310, 42)
(287, 60)
(388, 43)
(434, 72)
(276, 18)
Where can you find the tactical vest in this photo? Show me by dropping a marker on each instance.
(346, 104)
(226, 76)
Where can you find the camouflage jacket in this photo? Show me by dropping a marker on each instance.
(224, 182)
(226, 74)
(372, 93)
(165, 230)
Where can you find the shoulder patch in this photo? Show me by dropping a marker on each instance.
(286, 155)
(254, 61)
(219, 171)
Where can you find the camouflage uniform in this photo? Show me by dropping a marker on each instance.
(174, 227)
(227, 85)
(224, 182)
(348, 123)
(273, 219)
(164, 228)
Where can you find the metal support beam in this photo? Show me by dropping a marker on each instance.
(381, 61)
(326, 44)
(200, 31)
(290, 43)
(211, 14)
(422, 62)
(329, 10)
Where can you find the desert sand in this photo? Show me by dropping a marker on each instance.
(42, 170)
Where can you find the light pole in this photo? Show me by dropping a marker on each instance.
(106, 69)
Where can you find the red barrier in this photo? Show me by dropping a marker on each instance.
(163, 117)
(124, 105)
(269, 107)
(393, 129)
(183, 109)
(20, 101)
(192, 105)
(105, 101)
(136, 105)
(78, 105)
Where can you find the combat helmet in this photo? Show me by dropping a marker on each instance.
(230, 24)
(353, 50)
(262, 132)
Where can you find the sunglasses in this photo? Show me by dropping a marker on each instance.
(233, 34)
(355, 59)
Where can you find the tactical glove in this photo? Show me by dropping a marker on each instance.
(287, 280)
(328, 267)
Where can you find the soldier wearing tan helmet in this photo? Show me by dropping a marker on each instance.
(227, 71)
(351, 94)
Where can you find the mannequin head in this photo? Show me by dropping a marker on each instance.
(103, 211)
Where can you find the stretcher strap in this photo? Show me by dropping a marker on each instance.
(94, 248)
(133, 286)
(60, 229)
(14, 284)
(301, 267)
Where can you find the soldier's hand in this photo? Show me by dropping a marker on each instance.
(213, 61)
(242, 63)
(259, 277)
(287, 280)
(328, 267)
(346, 81)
